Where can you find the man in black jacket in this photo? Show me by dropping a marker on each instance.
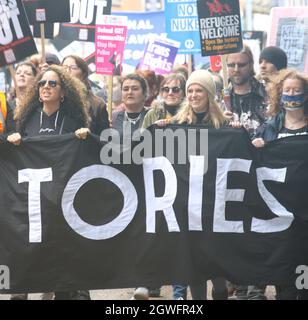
(248, 96)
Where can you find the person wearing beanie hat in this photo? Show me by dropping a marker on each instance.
(201, 106)
(272, 59)
(203, 78)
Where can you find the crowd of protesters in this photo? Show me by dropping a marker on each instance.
(54, 98)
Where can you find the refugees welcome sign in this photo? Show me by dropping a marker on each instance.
(220, 27)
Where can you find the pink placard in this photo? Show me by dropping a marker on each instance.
(109, 45)
(289, 31)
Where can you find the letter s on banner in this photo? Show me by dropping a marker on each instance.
(285, 218)
(118, 224)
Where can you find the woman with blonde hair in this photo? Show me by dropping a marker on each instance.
(201, 107)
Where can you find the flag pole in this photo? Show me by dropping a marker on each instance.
(42, 27)
(110, 97)
(226, 92)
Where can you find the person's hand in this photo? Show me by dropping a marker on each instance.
(162, 122)
(82, 133)
(14, 138)
(258, 142)
(43, 66)
(229, 115)
(235, 124)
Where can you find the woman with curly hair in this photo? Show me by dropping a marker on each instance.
(55, 105)
(288, 108)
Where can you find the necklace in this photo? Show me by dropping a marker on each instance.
(132, 120)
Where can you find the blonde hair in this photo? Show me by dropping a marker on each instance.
(214, 114)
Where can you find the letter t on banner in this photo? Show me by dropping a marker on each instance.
(35, 177)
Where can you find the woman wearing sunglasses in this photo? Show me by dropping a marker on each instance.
(172, 94)
(55, 105)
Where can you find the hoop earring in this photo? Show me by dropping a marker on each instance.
(40, 100)
(62, 99)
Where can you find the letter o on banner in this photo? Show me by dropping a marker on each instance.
(112, 228)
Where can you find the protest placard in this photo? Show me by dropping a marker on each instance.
(110, 39)
(39, 11)
(159, 55)
(182, 24)
(289, 31)
(16, 41)
(85, 14)
(220, 27)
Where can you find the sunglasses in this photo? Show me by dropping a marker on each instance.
(51, 83)
(168, 89)
(239, 65)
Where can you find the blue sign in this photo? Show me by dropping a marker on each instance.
(182, 24)
(141, 27)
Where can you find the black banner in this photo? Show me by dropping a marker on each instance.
(69, 222)
(220, 27)
(39, 11)
(85, 14)
(16, 41)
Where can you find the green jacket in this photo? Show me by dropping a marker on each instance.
(157, 112)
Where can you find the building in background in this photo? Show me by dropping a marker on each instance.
(137, 5)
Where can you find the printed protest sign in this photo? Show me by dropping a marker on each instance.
(182, 24)
(289, 31)
(39, 11)
(159, 55)
(220, 27)
(216, 63)
(85, 14)
(110, 39)
(16, 41)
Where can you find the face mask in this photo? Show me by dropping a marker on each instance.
(293, 102)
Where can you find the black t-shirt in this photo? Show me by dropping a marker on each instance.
(39, 123)
(284, 132)
(50, 125)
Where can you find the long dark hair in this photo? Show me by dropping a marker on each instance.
(74, 104)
